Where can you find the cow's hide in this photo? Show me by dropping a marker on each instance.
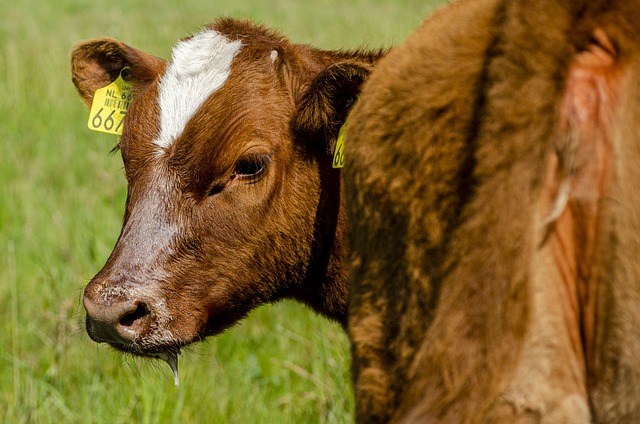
(492, 164)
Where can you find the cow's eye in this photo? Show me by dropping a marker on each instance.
(249, 169)
(250, 166)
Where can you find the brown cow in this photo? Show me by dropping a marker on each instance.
(492, 165)
(232, 198)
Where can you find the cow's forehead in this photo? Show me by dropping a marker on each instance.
(199, 66)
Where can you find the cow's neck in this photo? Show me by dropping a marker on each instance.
(325, 288)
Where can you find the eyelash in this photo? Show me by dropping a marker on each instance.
(250, 167)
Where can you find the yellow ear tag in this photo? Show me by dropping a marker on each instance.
(338, 155)
(110, 104)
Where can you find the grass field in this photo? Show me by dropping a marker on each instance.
(61, 201)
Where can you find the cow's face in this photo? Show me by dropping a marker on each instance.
(231, 201)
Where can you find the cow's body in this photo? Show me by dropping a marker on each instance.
(491, 173)
(232, 198)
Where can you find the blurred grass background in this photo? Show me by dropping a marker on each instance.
(61, 201)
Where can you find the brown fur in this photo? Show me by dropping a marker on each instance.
(481, 291)
(202, 245)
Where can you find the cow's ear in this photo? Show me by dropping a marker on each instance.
(324, 107)
(96, 63)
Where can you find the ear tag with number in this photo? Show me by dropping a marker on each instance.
(110, 104)
(338, 154)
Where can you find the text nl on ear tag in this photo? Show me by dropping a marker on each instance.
(338, 154)
(110, 104)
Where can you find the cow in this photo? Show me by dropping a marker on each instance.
(491, 173)
(232, 198)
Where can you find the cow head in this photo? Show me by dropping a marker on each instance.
(232, 200)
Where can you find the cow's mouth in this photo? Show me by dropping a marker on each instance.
(168, 354)
(133, 333)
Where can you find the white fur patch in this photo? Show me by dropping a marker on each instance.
(199, 66)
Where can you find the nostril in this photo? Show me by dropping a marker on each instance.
(130, 318)
(114, 318)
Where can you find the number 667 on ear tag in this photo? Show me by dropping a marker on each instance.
(110, 104)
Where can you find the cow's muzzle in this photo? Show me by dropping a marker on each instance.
(117, 322)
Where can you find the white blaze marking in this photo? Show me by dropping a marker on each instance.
(199, 66)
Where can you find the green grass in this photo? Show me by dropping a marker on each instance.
(61, 201)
